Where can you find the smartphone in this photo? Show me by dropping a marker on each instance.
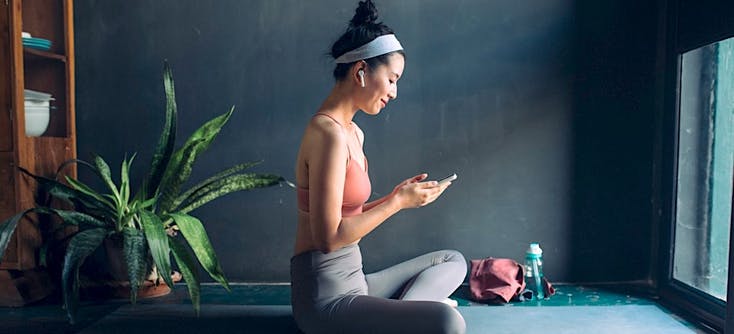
(448, 179)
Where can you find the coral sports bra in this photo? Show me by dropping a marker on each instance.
(357, 186)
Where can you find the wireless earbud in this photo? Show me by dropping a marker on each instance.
(361, 77)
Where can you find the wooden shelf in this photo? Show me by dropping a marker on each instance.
(50, 71)
(35, 53)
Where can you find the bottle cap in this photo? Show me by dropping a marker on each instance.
(534, 249)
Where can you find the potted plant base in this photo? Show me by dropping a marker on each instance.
(94, 289)
(108, 279)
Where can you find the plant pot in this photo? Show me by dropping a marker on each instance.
(115, 258)
(115, 283)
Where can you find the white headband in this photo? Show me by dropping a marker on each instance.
(377, 47)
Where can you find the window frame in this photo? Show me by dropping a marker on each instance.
(695, 305)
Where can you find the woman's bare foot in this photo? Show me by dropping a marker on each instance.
(450, 302)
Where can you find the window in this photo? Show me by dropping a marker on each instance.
(705, 166)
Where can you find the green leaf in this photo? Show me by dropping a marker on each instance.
(134, 250)
(70, 195)
(7, 228)
(180, 199)
(209, 130)
(183, 159)
(167, 140)
(81, 245)
(171, 183)
(125, 179)
(74, 161)
(104, 172)
(228, 185)
(194, 233)
(147, 203)
(111, 198)
(128, 220)
(89, 191)
(188, 270)
(158, 243)
(77, 218)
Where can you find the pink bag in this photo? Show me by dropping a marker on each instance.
(493, 278)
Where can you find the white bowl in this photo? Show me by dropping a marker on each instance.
(36, 120)
(37, 103)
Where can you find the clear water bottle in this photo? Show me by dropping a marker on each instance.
(534, 270)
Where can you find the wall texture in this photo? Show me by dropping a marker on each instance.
(543, 108)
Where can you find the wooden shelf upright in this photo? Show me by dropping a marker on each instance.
(22, 281)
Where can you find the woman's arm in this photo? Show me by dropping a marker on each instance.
(368, 206)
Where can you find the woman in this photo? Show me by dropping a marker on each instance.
(330, 293)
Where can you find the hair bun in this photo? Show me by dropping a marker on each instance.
(366, 14)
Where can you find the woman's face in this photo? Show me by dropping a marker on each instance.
(381, 84)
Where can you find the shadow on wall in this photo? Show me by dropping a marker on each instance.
(613, 141)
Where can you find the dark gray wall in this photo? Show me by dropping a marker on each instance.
(702, 22)
(613, 135)
(543, 109)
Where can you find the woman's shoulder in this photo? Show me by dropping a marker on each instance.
(326, 129)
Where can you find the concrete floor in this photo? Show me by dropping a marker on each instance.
(265, 309)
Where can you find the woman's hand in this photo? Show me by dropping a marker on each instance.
(414, 179)
(412, 193)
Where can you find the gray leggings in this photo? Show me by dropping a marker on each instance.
(331, 294)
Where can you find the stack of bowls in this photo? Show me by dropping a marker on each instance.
(37, 107)
(35, 42)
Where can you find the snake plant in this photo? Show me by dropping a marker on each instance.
(154, 223)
